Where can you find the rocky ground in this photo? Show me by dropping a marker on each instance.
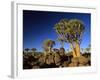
(54, 60)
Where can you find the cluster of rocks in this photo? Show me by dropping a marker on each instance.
(53, 60)
(79, 61)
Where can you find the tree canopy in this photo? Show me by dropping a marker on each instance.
(70, 30)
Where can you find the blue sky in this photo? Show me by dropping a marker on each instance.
(38, 26)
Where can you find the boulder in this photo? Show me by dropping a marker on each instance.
(41, 59)
(81, 65)
(50, 59)
(75, 60)
(73, 64)
(62, 51)
(87, 65)
(57, 59)
(83, 60)
(65, 64)
(35, 67)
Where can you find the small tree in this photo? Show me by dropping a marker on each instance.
(71, 31)
(48, 44)
(27, 49)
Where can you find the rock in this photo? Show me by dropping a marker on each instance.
(35, 67)
(89, 58)
(81, 65)
(83, 60)
(62, 51)
(57, 59)
(65, 58)
(50, 59)
(73, 64)
(65, 64)
(41, 59)
(87, 65)
(74, 60)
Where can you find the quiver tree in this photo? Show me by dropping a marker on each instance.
(71, 31)
(48, 44)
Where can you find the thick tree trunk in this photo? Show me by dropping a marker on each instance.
(73, 50)
(77, 49)
(49, 49)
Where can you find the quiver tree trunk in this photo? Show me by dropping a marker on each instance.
(49, 48)
(73, 50)
(71, 31)
(77, 49)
